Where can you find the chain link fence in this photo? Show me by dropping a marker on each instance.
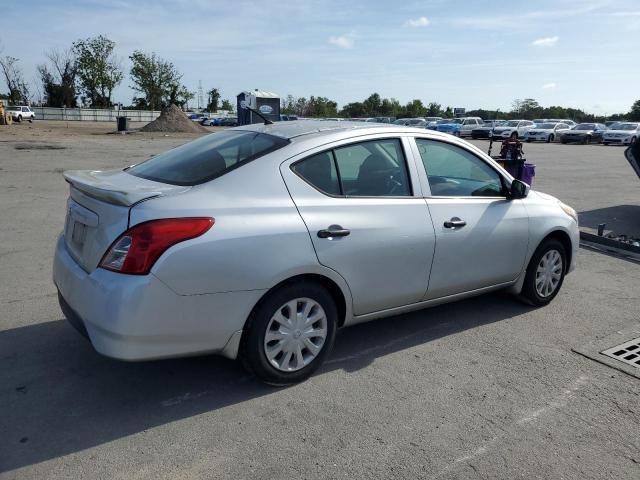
(93, 114)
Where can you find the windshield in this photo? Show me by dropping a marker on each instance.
(415, 121)
(585, 126)
(512, 123)
(441, 122)
(624, 126)
(207, 158)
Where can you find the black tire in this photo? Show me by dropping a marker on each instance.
(19, 119)
(474, 137)
(605, 143)
(550, 138)
(563, 141)
(30, 119)
(528, 140)
(587, 140)
(530, 293)
(252, 349)
(633, 141)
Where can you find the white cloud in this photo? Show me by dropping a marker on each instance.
(418, 22)
(549, 85)
(343, 41)
(626, 14)
(545, 42)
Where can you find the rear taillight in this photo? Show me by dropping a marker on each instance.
(137, 249)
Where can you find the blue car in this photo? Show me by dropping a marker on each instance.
(460, 127)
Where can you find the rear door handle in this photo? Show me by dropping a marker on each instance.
(333, 231)
(455, 222)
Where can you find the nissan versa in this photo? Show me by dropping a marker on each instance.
(259, 242)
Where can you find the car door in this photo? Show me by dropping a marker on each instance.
(481, 235)
(365, 221)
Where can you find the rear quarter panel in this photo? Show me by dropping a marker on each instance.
(258, 239)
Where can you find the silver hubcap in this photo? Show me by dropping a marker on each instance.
(296, 334)
(549, 273)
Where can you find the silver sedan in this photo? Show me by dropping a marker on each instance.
(259, 242)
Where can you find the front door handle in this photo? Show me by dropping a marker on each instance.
(455, 222)
(333, 231)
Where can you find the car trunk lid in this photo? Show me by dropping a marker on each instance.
(98, 210)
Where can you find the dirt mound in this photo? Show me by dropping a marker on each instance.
(172, 119)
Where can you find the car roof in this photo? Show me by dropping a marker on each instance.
(306, 129)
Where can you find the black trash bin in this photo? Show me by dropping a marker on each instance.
(123, 124)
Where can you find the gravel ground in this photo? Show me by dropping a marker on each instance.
(484, 388)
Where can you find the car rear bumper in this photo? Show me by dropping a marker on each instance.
(137, 317)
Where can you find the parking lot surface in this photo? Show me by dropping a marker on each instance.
(483, 388)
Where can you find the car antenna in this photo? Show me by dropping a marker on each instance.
(266, 120)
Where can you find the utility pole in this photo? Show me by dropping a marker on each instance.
(200, 96)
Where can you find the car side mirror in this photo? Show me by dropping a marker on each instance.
(518, 190)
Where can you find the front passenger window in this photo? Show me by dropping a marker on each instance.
(455, 172)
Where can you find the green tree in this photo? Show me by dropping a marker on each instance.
(98, 69)
(372, 105)
(434, 110)
(415, 108)
(634, 113)
(353, 110)
(18, 89)
(158, 81)
(227, 105)
(59, 78)
(214, 100)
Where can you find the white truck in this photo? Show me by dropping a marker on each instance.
(21, 112)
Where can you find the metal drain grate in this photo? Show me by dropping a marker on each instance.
(628, 352)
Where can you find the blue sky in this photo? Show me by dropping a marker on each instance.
(473, 54)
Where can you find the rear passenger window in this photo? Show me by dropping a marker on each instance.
(320, 171)
(373, 169)
(368, 169)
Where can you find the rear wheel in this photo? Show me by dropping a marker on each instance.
(605, 143)
(550, 138)
(290, 333)
(563, 141)
(545, 273)
(19, 118)
(587, 140)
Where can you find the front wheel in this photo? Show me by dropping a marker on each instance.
(545, 273)
(587, 140)
(19, 118)
(605, 143)
(290, 333)
(550, 138)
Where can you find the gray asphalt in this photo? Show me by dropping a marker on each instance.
(484, 388)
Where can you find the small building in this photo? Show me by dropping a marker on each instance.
(267, 103)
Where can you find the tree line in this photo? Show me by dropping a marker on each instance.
(89, 71)
(375, 106)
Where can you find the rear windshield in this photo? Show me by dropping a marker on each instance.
(207, 158)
